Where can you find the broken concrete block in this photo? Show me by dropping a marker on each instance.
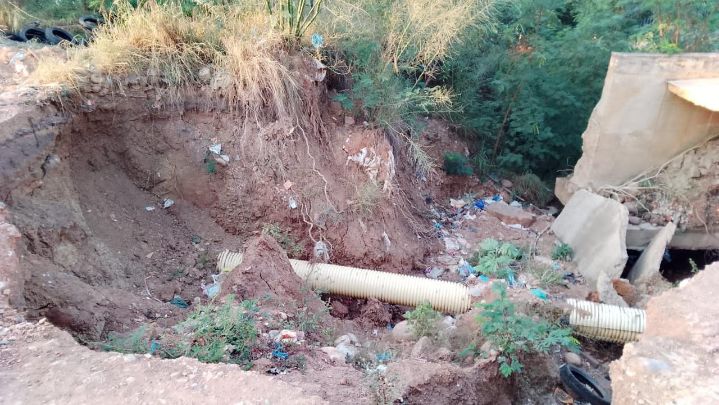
(595, 227)
(647, 267)
(510, 215)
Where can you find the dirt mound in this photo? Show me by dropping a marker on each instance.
(81, 376)
(267, 276)
(421, 382)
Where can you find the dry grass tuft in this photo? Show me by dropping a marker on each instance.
(11, 17)
(169, 49)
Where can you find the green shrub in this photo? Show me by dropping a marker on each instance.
(210, 334)
(545, 275)
(287, 241)
(423, 320)
(531, 188)
(456, 164)
(495, 258)
(562, 252)
(514, 334)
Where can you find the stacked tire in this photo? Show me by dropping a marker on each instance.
(55, 35)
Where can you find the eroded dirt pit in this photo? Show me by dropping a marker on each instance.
(118, 203)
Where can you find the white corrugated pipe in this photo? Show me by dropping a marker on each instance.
(393, 288)
(606, 322)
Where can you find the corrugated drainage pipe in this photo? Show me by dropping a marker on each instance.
(606, 322)
(361, 283)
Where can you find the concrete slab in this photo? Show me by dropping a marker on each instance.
(596, 228)
(701, 92)
(510, 215)
(647, 267)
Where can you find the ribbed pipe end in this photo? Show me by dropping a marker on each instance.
(606, 322)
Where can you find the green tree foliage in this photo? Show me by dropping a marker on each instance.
(527, 90)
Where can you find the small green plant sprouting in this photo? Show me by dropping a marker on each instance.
(545, 275)
(694, 268)
(456, 164)
(210, 334)
(423, 320)
(495, 258)
(514, 334)
(288, 243)
(225, 333)
(562, 252)
(136, 342)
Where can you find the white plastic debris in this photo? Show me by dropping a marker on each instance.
(149, 208)
(515, 204)
(226, 158)
(167, 203)
(211, 290)
(321, 251)
(216, 148)
(292, 203)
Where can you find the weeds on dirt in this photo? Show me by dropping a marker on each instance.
(456, 164)
(495, 258)
(287, 241)
(531, 188)
(367, 198)
(312, 321)
(545, 275)
(383, 387)
(514, 334)
(562, 252)
(423, 320)
(211, 334)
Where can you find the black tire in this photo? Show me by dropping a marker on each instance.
(583, 387)
(14, 37)
(55, 35)
(30, 33)
(90, 22)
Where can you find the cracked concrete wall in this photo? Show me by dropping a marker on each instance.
(638, 124)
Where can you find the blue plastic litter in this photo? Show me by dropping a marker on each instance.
(479, 204)
(496, 197)
(437, 225)
(279, 353)
(154, 346)
(317, 40)
(179, 302)
(666, 256)
(511, 280)
(539, 293)
(383, 357)
(465, 269)
(483, 278)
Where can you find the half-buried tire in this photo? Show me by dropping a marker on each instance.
(583, 387)
(30, 33)
(90, 22)
(55, 35)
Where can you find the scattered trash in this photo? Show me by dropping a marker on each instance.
(483, 278)
(465, 269)
(539, 293)
(211, 290)
(154, 346)
(479, 204)
(317, 40)
(215, 148)
(167, 203)
(457, 203)
(497, 198)
(383, 357)
(515, 204)
(292, 203)
(179, 302)
(435, 272)
(279, 353)
(149, 208)
(288, 336)
(321, 251)
(451, 244)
